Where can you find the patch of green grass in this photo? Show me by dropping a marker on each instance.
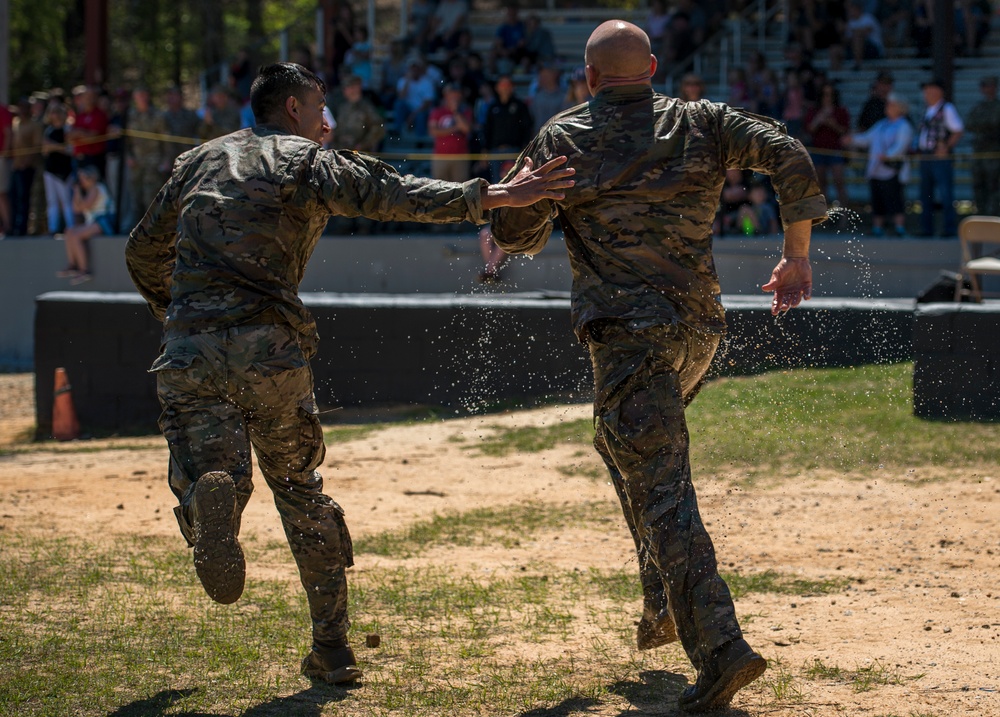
(594, 472)
(863, 678)
(846, 419)
(849, 419)
(781, 683)
(532, 439)
(818, 670)
(770, 581)
(505, 526)
(347, 433)
(126, 629)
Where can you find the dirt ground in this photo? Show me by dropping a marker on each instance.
(921, 547)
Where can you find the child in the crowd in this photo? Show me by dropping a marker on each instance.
(759, 217)
(92, 201)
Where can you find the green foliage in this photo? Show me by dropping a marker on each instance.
(153, 43)
(46, 45)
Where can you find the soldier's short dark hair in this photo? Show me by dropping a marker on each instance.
(276, 83)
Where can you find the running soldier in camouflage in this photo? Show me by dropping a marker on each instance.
(646, 299)
(219, 256)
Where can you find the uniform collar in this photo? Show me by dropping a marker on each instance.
(625, 94)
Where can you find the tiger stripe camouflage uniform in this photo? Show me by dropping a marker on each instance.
(219, 257)
(646, 298)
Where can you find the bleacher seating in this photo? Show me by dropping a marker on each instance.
(571, 28)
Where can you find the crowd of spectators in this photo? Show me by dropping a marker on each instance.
(435, 92)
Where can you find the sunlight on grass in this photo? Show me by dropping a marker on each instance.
(506, 526)
(849, 420)
(90, 630)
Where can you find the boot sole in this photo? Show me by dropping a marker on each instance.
(650, 634)
(348, 673)
(218, 557)
(739, 675)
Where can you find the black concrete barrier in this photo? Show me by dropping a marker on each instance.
(956, 368)
(464, 352)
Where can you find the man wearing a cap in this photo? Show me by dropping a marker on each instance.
(359, 125)
(887, 170)
(450, 125)
(984, 123)
(874, 107)
(414, 96)
(940, 130)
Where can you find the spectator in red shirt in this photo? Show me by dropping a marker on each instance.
(828, 123)
(90, 122)
(6, 130)
(451, 125)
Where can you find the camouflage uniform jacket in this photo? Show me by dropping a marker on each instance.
(142, 149)
(223, 121)
(184, 123)
(359, 126)
(984, 123)
(638, 223)
(228, 237)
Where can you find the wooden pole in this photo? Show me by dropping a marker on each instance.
(95, 23)
(5, 52)
(943, 44)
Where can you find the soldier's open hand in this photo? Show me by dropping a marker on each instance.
(531, 185)
(791, 282)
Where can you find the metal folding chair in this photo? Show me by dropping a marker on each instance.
(976, 234)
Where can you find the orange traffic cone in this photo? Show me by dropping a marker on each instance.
(65, 427)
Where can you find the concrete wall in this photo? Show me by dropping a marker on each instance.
(463, 352)
(449, 263)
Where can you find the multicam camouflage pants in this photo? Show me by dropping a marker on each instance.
(644, 379)
(225, 391)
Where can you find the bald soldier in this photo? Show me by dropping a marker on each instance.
(219, 257)
(647, 302)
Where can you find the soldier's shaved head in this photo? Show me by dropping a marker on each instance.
(618, 52)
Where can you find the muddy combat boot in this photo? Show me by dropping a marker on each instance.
(333, 666)
(655, 630)
(731, 668)
(218, 557)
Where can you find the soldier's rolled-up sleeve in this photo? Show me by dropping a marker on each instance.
(150, 253)
(525, 230)
(352, 184)
(750, 141)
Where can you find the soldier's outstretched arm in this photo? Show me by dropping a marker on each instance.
(791, 280)
(353, 184)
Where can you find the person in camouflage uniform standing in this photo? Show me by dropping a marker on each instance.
(984, 123)
(219, 256)
(646, 299)
(145, 152)
(182, 123)
(359, 125)
(222, 116)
